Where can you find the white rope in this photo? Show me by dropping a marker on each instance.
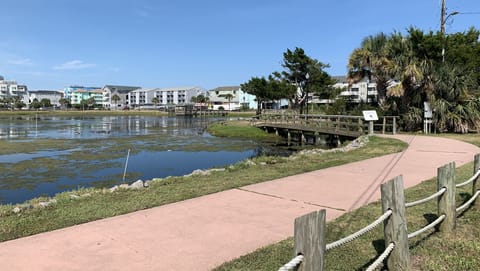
(429, 226)
(436, 195)
(381, 258)
(467, 204)
(359, 233)
(292, 264)
(469, 180)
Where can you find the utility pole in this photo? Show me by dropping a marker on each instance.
(442, 19)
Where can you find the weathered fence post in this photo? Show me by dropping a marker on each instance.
(476, 165)
(309, 240)
(395, 227)
(446, 202)
(394, 128)
(384, 124)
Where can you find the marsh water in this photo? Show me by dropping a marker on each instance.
(45, 155)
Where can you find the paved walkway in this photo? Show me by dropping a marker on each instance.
(202, 233)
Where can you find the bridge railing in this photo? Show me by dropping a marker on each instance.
(385, 124)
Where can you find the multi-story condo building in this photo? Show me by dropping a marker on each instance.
(80, 95)
(231, 98)
(10, 89)
(165, 96)
(68, 90)
(53, 95)
(121, 93)
(363, 91)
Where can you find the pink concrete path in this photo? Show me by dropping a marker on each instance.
(202, 233)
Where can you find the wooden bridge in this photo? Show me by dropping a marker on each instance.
(308, 128)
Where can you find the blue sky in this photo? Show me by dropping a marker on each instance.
(51, 44)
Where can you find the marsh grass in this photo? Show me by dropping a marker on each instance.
(100, 203)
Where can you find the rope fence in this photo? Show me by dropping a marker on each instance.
(426, 228)
(292, 264)
(376, 264)
(309, 239)
(427, 199)
(359, 233)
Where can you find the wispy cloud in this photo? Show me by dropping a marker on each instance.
(21, 62)
(74, 65)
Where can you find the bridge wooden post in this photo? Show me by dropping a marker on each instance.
(394, 129)
(316, 138)
(289, 137)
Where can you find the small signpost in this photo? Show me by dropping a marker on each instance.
(370, 116)
(427, 118)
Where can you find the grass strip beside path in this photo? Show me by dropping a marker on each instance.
(430, 251)
(92, 204)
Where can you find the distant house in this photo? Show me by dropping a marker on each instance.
(219, 98)
(53, 95)
(143, 97)
(121, 91)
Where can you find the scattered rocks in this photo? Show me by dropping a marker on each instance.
(17, 210)
(250, 163)
(73, 196)
(136, 185)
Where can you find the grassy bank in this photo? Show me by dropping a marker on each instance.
(238, 129)
(90, 204)
(430, 251)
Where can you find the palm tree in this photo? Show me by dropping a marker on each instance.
(155, 101)
(229, 97)
(116, 99)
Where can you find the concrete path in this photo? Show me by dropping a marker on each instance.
(202, 233)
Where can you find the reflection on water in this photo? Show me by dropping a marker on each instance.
(65, 127)
(161, 146)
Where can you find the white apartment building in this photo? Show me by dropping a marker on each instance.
(363, 91)
(10, 88)
(165, 96)
(53, 95)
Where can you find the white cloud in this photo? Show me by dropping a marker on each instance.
(21, 62)
(74, 65)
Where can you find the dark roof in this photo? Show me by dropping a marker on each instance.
(230, 88)
(121, 89)
(46, 92)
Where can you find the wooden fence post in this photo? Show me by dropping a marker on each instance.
(395, 227)
(446, 202)
(394, 128)
(309, 240)
(476, 165)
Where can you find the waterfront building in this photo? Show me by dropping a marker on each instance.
(68, 90)
(231, 98)
(177, 95)
(80, 95)
(121, 91)
(143, 97)
(362, 91)
(11, 89)
(53, 95)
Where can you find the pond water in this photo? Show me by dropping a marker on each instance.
(58, 153)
